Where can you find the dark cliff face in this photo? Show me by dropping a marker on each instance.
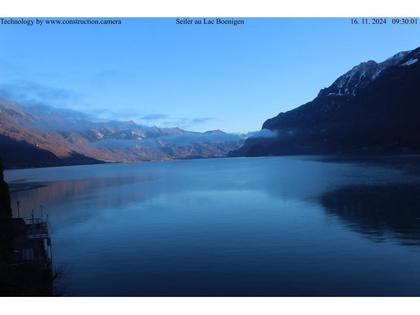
(375, 107)
(5, 222)
(5, 209)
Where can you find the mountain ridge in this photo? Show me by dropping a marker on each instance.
(374, 107)
(47, 136)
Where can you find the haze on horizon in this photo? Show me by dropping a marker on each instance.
(196, 77)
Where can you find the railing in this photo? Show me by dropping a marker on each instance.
(35, 220)
(32, 219)
(36, 229)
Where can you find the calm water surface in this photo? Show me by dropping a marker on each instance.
(274, 226)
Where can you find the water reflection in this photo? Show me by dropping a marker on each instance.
(241, 226)
(360, 196)
(380, 212)
(64, 197)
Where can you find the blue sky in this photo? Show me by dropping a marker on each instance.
(198, 77)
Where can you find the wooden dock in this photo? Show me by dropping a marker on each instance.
(32, 244)
(29, 268)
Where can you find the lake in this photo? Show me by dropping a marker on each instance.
(270, 226)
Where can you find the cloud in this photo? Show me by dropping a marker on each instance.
(183, 139)
(105, 74)
(159, 119)
(213, 137)
(185, 122)
(30, 93)
(263, 133)
(153, 117)
(107, 77)
(201, 120)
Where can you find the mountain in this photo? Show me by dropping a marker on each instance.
(373, 108)
(39, 135)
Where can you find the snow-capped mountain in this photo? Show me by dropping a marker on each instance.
(46, 136)
(374, 107)
(363, 74)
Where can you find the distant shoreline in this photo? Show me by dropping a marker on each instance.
(386, 159)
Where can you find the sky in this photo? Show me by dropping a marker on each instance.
(197, 77)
